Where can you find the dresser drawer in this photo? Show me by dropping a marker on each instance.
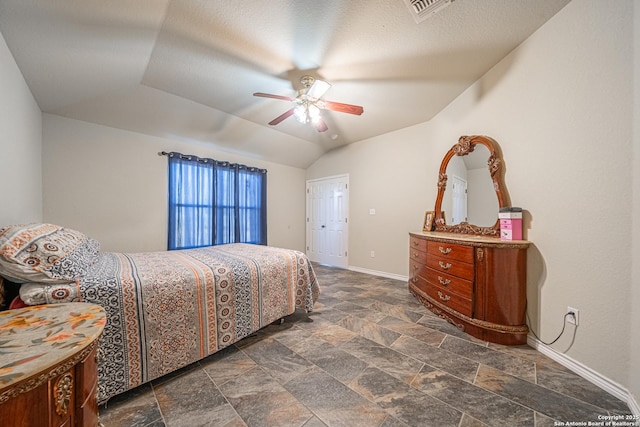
(451, 251)
(419, 282)
(418, 244)
(417, 269)
(451, 283)
(451, 266)
(445, 297)
(417, 256)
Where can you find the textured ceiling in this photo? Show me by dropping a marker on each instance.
(187, 69)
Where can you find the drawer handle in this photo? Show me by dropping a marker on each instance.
(415, 243)
(443, 297)
(444, 266)
(444, 282)
(444, 251)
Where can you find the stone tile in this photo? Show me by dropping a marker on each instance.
(180, 406)
(360, 311)
(510, 364)
(338, 363)
(396, 364)
(404, 402)
(449, 362)
(157, 423)
(393, 422)
(419, 332)
(227, 364)
(318, 320)
(334, 403)
(571, 384)
(294, 338)
(469, 421)
(543, 421)
(314, 422)
(136, 407)
(478, 403)
(276, 359)
(334, 334)
(521, 351)
(430, 320)
(261, 401)
(397, 311)
(369, 330)
(543, 400)
(333, 316)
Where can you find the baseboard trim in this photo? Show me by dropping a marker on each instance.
(587, 373)
(378, 273)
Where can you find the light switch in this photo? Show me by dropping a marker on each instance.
(372, 211)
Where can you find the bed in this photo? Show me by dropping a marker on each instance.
(165, 310)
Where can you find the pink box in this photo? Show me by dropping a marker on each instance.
(511, 229)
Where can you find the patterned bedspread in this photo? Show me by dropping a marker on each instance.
(166, 310)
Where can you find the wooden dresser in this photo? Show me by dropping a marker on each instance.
(48, 368)
(476, 283)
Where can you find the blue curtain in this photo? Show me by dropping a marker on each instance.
(213, 203)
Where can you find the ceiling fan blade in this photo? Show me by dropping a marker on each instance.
(343, 108)
(320, 125)
(269, 95)
(281, 117)
(317, 89)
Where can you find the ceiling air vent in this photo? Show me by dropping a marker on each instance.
(422, 9)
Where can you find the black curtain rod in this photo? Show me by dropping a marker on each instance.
(213, 161)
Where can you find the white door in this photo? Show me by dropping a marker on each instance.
(327, 220)
(459, 199)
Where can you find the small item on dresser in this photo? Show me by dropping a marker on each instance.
(510, 223)
(428, 223)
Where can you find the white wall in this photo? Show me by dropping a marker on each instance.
(20, 144)
(634, 372)
(560, 106)
(112, 185)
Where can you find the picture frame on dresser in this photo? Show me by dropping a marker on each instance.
(427, 224)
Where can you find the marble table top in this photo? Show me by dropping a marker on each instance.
(33, 339)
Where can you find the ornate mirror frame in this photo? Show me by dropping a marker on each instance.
(466, 145)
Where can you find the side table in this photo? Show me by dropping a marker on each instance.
(48, 367)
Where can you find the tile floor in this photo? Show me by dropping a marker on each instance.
(368, 355)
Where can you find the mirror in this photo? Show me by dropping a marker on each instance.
(471, 188)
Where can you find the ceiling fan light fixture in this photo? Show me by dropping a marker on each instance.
(317, 89)
(306, 112)
(308, 103)
(300, 113)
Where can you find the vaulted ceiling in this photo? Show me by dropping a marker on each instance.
(187, 69)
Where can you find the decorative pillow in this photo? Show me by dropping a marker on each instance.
(43, 293)
(45, 253)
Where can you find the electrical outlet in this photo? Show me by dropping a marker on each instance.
(573, 316)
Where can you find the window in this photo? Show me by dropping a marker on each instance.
(213, 203)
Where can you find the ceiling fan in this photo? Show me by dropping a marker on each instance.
(309, 104)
